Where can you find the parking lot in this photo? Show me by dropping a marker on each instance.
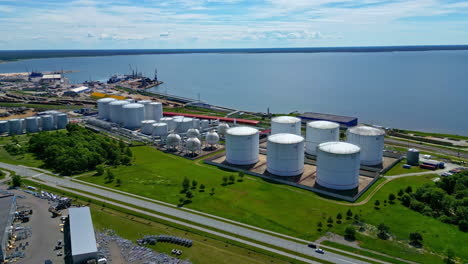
(42, 231)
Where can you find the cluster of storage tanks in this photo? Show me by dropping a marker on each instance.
(46, 121)
(338, 163)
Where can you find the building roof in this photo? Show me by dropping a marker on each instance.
(6, 201)
(79, 89)
(51, 76)
(329, 117)
(83, 240)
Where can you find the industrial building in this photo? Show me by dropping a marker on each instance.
(318, 132)
(76, 91)
(242, 145)
(342, 120)
(82, 237)
(7, 214)
(286, 124)
(51, 78)
(285, 154)
(371, 142)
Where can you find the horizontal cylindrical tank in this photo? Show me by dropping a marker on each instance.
(32, 124)
(116, 114)
(103, 107)
(62, 121)
(183, 124)
(173, 140)
(286, 124)
(155, 110)
(15, 126)
(147, 127)
(193, 144)
(285, 154)
(169, 121)
(318, 132)
(133, 115)
(212, 138)
(412, 157)
(47, 122)
(160, 129)
(242, 144)
(371, 142)
(204, 124)
(338, 165)
(3, 126)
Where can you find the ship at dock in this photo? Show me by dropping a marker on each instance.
(135, 79)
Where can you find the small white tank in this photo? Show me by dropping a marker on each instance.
(3, 126)
(32, 124)
(212, 138)
(204, 124)
(338, 165)
(193, 132)
(173, 140)
(62, 121)
(130, 100)
(222, 128)
(196, 123)
(147, 127)
(47, 122)
(160, 130)
(169, 121)
(116, 111)
(318, 132)
(286, 124)
(285, 154)
(103, 107)
(15, 127)
(193, 144)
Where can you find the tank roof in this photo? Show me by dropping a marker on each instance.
(285, 138)
(323, 124)
(337, 147)
(106, 100)
(159, 124)
(241, 131)
(148, 121)
(366, 131)
(133, 105)
(413, 150)
(119, 102)
(155, 103)
(286, 119)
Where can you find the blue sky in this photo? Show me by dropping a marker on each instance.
(110, 24)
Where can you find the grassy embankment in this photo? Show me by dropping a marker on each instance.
(437, 135)
(42, 106)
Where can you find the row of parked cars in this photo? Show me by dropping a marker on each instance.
(453, 171)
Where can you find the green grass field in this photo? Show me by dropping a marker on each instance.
(158, 175)
(398, 169)
(25, 159)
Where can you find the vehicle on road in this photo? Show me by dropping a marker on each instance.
(48, 261)
(320, 251)
(312, 245)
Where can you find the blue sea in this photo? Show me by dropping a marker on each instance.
(422, 90)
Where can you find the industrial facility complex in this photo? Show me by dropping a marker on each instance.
(7, 215)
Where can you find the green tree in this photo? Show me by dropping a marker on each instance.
(338, 218)
(202, 187)
(391, 198)
(189, 195)
(357, 219)
(350, 233)
(416, 239)
(349, 214)
(319, 226)
(185, 183)
(110, 176)
(241, 176)
(383, 231)
(409, 189)
(377, 203)
(330, 221)
(231, 179)
(450, 259)
(212, 191)
(400, 192)
(16, 181)
(118, 182)
(225, 180)
(406, 200)
(194, 184)
(99, 170)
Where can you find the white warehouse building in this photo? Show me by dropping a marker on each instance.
(242, 145)
(318, 132)
(338, 165)
(285, 154)
(286, 124)
(371, 142)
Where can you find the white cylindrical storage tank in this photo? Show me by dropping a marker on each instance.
(193, 132)
(32, 124)
(116, 111)
(222, 128)
(193, 144)
(62, 121)
(318, 132)
(169, 121)
(196, 123)
(133, 115)
(371, 142)
(212, 138)
(147, 127)
(242, 145)
(148, 113)
(183, 124)
(130, 100)
(412, 157)
(286, 124)
(103, 107)
(3, 126)
(156, 111)
(338, 165)
(160, 129)
(173, 140)
(285, 154)
(15, 127)
(204, 124)
(47, 122)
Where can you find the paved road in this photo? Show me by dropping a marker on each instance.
(194, 218)
(425, 147)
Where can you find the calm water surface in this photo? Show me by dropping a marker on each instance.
(412, 90)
